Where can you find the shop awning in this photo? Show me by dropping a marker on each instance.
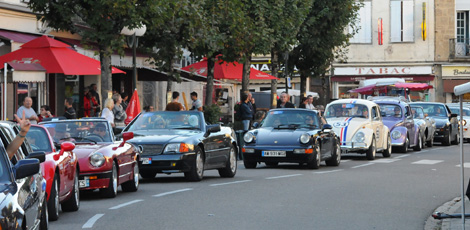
(17, 36)
(22, 72)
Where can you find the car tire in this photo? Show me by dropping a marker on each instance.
(419, 145)
(370, 154)
(335, 159)
(430, 143)
(111, 190)
(447, 139)
(271, 164)
(404, 148)
(133, 184)
(44, 219)
(230, 168)
(250, 164)
(73, 203)
(148, 174)
(457, 138)
(314, 163)
(53, 202)
(388, 151)
(196, 173)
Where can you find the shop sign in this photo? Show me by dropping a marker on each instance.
(389, 70)
(456, 71)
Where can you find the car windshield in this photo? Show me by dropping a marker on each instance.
(291, 119)
(434, 110)
(417, 112)
(391, 110)
(166, 120)
(347, 110)
(79, 131)
(38, 138)
(456, 110)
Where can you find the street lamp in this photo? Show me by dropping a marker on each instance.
(133, 41)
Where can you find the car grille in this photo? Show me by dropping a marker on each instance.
(152, 149)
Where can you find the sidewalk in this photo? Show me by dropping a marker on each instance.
(452, 207)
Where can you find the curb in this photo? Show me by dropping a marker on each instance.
(449, 207)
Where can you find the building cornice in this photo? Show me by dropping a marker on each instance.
(18, 8)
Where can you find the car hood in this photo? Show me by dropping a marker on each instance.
(282, 137)
(441, 121)
(392, 122)
(345, 128)
(163, 136)
(84, 150)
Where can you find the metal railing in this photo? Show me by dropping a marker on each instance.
(459, 48)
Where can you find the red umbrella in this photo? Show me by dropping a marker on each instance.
(224, 70)
(133, 109)
(55, 57)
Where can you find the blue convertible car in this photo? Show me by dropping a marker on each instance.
(292, 135)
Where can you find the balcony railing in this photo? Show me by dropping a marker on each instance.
(459, 48)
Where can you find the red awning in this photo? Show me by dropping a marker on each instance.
(369, 89)
(55, 57)
(414, 86)
(17, 36)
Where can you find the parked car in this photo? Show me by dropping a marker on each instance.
(104, 163)
(464, 122)
(397, 116)
(60, 169)
(23, 202)
(292, 135)
(174, 142)
(447, 125)
(359, 125)
(427, 124)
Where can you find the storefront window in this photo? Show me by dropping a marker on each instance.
(344, 94)
(465, 98)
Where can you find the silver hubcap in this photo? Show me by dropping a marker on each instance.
(115, 182)
(233, 161)
(56, 199)
(338, 153)
(136, 175)
(318, 155)
(389, 145)
(76, 189)
(199, 164)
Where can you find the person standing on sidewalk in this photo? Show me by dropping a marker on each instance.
(174, 105)
(197, 104)
(310, 103)
(29, 112)
(119, 113)
(285, 102)
(246, 112)
(69, 110)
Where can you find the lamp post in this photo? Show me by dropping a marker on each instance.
(133, 41)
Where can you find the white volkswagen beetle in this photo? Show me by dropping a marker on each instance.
(359, 125)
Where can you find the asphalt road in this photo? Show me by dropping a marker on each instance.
(399, 192)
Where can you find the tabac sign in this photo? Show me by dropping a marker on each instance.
(456, 71)
(384, 70)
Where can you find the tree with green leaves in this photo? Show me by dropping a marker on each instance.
(322, 37)
(97, 22)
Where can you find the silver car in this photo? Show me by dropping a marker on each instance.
(427, 125)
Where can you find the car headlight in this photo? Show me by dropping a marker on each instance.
(360, 137)
(304, 138)
(97, 159)
(249, 137)
(396, 134)
(178, 148)
(463, 122)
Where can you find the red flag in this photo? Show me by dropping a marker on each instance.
(133, 108)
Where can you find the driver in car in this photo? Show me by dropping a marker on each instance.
(309, 120)
(100, 130)
(61, 133)
(397, 111)
(365, 113)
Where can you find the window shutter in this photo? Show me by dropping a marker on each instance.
(363, 35)
(395, 21)
(408, 21)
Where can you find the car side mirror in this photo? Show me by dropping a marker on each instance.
(453, 115)
(41, 156)
(255, 125)
(125, 137)
(213, 128)
(64, 147)
(326, 126)
(26, 167)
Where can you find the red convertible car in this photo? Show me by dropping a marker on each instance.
(60, 169)
(104, 163)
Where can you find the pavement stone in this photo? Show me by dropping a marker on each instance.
(452, 207)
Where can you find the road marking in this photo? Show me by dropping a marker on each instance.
(427, 162)
(234, 182)
(331, 171)
(465, 165)
(423, 151)
(405, 155)
(439, 148)
(345, 160)
(285, 176)
(386, 160)
(358, 166)
(125, 204)
(91, 221)
(172, 192)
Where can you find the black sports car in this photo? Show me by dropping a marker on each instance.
(292, 135)
(173, 142)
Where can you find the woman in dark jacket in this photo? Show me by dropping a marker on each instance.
(303, 103)
(246, 112)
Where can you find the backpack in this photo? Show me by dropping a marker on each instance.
(237, 112)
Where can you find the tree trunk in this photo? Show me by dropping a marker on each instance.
(275, 73)
(246, 74)
(325, 96)
(303, 85)
(169, 83)
(106, 81)
(210, 80)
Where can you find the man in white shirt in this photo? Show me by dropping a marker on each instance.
(29, 112)
(309, 104)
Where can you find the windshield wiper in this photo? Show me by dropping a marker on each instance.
(289, 126)
(309, 126)
(186, 127)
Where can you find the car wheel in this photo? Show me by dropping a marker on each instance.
(447, 139)
(53, 203)
(335, 159)
(314, 163)
(430, 143)
(388, 151)
(457, 138)
(249, 164)
(419, 145)
(111, 190)
(372, 150)
(404, 148)
(197, 170)
(133, 184)
(148, 174)
(231, 167)
(73, 204)
(44, 221)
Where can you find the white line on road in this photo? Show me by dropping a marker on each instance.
(331, 171)
(345, 160)
(405, 155)
(427, 162)
(285, 176)
(358, 166)
(234, 182)
(125, 204)
(91, 221)
(172, 192)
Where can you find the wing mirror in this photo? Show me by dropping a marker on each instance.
(41, 156)
(125, 137)
(453, 115)
(255, 125)
(26, 167)
(64, 147)
(326, 126)
(212, 129)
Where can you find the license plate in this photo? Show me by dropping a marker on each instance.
(84, 183)
(146, 161)
(273, 153)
